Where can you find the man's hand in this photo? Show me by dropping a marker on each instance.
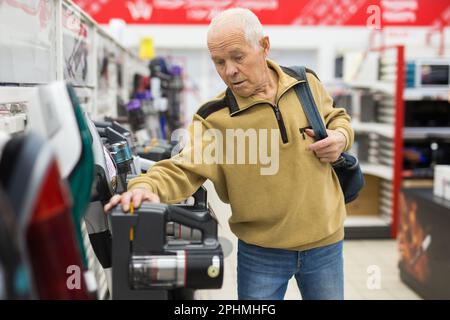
(137, 195)
(330, 148)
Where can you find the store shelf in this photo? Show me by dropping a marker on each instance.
(75, 46)
(367, 227)
(426, 94)
(367, 221)
(371, 127)
(377, 86)
(378, 170)
(378, 142)
(12, 124)
(16, 94)
(58, 41)
(420, 132)
(418, 183)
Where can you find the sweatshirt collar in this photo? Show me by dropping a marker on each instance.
(286, 79)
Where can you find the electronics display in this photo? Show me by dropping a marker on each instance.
(420, 156)
(425, 113)
(432, 73)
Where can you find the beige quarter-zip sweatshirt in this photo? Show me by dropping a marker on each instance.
(292, 202)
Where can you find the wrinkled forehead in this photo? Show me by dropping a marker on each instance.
(230, 39)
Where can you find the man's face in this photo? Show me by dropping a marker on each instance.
(240, 65)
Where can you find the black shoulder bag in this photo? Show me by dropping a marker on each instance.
(347, 166)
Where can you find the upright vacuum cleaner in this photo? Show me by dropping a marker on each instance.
(40, 198)
(60, 120)
(150, 265)
(104, 187)
(196, 238)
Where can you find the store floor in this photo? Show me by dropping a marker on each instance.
(370, 266)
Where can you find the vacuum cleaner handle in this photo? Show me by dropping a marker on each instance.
(197, 220)
(103, 124)
(113, 125)
(200, 197)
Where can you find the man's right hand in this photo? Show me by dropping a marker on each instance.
(137, 195)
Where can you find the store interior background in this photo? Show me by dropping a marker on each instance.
(397, 241)
(318, 46)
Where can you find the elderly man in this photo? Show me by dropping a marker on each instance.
(289, 223)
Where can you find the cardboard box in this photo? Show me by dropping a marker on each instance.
(367, 203)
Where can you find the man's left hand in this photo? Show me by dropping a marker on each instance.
(330, 148)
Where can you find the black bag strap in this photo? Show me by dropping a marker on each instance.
(309, 106)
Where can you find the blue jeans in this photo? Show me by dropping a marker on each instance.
(264, 273)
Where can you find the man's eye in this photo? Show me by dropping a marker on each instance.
(220, 62)
(239, 58)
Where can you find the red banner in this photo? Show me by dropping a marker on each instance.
(276, 12)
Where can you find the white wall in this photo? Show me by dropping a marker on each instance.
(315, 47)
(325, 40)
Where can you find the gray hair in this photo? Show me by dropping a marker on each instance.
(243, 18)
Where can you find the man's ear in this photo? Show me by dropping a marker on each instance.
(265, 45)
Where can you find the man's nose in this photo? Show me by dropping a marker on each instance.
(231, 69)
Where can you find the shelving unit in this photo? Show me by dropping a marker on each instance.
(378, 126)
(61, 42)
(427, 119)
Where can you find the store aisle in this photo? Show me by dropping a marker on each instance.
(364, 260)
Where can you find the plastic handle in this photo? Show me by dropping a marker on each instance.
(200, 197)
(114, 136)
(102, 132)
(103, 124)
(113, 125)
(201, 221)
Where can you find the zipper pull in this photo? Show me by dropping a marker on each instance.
(302, 131)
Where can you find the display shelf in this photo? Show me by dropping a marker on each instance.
(14, 103)
(67, 48)
(376, 86)
(427, 121)
(418, 183)
(377, 170)
(377, 121)
(421, 132)
(368, 221)
(16, 94)
(373, 127)
(426, 94)
(62, 44)
(363, 227)
(13, 124)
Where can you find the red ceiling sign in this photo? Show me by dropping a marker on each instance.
(275, 12)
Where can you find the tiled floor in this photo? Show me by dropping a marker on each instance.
(370, 266)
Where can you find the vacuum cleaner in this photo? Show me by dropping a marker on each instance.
(104, 187)
(40, 198)
(148, 264)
